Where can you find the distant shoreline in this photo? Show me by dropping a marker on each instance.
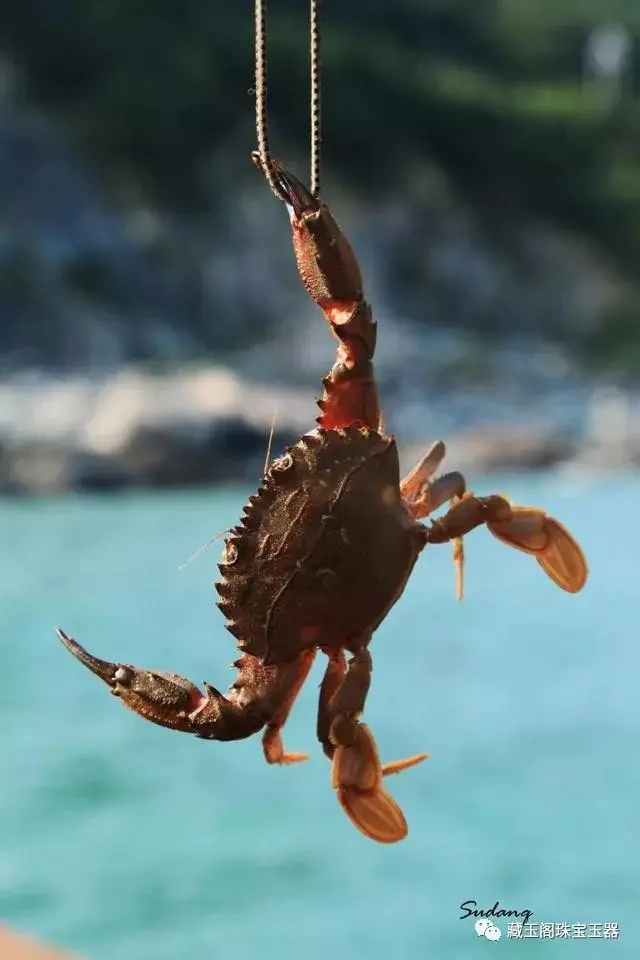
(210, 426)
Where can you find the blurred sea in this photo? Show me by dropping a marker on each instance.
(122, 840)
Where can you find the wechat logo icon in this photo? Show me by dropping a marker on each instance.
(484, 928)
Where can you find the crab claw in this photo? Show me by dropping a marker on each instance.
(163, 698)
(530, 529)
(326, 263)
(356, 774)
(103, 669)
(291, 190)
(172, 701)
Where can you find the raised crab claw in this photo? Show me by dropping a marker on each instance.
(325, 549)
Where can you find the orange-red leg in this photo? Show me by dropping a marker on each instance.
(288, 690)
(528, 529)
(356, 771)
(422, 495)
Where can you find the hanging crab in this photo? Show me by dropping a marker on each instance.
(325, 549)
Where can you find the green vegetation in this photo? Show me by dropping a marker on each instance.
(491, 91)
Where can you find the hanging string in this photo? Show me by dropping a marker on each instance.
(261, 97)
(314, 47)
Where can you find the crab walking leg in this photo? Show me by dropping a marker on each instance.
(422, 495)
(272, 745)
(467, 513)
(356, 769)
(528, 529)
(331, 276)
(172, 701)
(331, 683)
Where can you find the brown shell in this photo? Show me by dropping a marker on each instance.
(324, 549)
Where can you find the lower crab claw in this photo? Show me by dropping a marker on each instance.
(356, 774)
(531, 530)
(102, 668)
(163, 698)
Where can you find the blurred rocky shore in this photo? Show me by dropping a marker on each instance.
(143, 345)
(211, 425)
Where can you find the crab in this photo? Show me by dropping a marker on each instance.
(325, 549)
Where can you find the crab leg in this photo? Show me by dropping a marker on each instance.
(356, 769)
(534, 532)
(330, 273)
(272, 745)
(422, 495)
(528, 529)
(357, 776)
(331, 683)
(260, 696)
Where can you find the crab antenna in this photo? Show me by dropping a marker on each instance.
(205, 546)
(273, 428)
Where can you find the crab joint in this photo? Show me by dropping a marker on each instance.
(356, 775)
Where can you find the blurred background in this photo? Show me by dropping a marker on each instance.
(484, 159)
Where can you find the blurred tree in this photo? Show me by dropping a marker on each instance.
(492, 90)
(494, 93)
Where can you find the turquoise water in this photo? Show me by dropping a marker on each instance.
(122, 840)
